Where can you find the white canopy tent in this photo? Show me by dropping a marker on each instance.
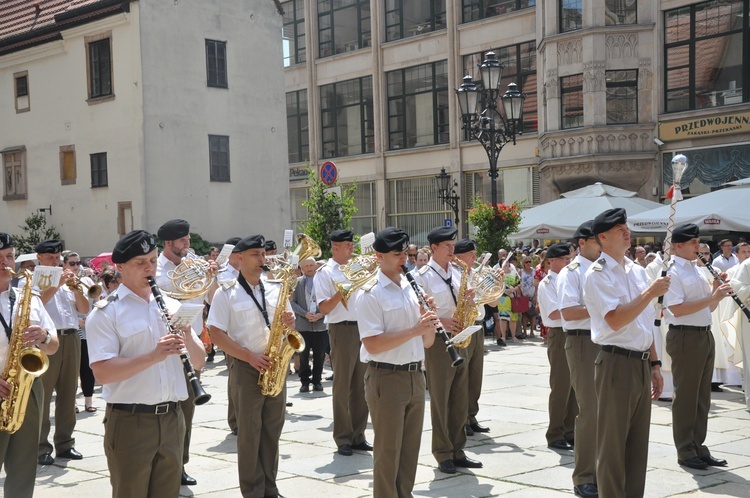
(559, 219)
(719, 211)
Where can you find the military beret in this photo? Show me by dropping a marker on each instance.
(464, 246)
(233, 242)
(135, 243)
(608, 220)
(6, 241)
(251, 242)
(51, 246)
(558, 250)
(391, 239)
(584, 231)
(342, 236)
(441, 234)
(270, 245)
(686, 232)
(173, 230)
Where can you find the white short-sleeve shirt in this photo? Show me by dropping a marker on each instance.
(37, 316)
(325, 289)
(687, 284)
(432, 278)
(548, 300)
(62, 309)
(570, 291)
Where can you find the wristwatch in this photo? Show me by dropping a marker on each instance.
(655, 363)
(47, 339)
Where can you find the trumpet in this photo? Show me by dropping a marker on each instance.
(77, 285)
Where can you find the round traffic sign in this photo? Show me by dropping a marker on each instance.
(329, 173)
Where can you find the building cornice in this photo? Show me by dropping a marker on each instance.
(596, 30)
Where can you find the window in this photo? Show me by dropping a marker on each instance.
(347, 118)
(99, 66)
(707, 54)
(343, 26)
(21, 83)
(414, 206)
(622, 96)
(620, 12)
(418, 106)
(365, 219)
(298, 132)
(520, 68)
(216, 63)
(124, 217)
(299, 212)
(14, 173)
(218, 149)
(405, 18)
(571, 14)
(571, 112)
(710, 168)
(68, 165)
(293, 33)
(99, 170)
(474, 10)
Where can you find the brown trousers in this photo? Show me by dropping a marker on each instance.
(18, 451)
(692, 355)
(349, 406)
(62, 378)
(449, 402)
(231, 413)
(623, 391)
(260, 420)
(144, 452)
(563, 407)
(188, 410)
(475, 373)
(581, 354)
(396, 400)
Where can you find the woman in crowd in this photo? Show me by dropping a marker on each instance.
(528, 289)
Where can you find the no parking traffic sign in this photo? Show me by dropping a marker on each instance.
(328, 173)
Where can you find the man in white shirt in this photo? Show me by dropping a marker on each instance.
(727, 259)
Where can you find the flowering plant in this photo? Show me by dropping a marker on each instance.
(493, 224)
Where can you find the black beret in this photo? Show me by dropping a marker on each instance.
(558, 250)
(441, 234)
(464, 246)
(609, 219)
(391, 239)
(233, 241)
(251, 242)
(342, 236)
(6, 241)
(270, 245)
(686, 232)
(173, 230)
(135, 243)
(51, 246)
(584, 231)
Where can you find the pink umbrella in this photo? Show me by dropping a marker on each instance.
(96, 262)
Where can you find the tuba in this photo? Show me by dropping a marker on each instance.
(191, 279)
(23, 365)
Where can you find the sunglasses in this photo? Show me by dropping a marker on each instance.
(412, 255)
(74, 263)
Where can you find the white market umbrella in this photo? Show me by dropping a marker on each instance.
(559, 219)
(719, 211)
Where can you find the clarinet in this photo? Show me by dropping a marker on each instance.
(456, 360)
(716, 275)
(201, 396)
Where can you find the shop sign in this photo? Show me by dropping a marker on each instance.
(713, 126)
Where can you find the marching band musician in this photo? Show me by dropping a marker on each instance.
(239, 322)
(349, 406)
(18, 451)
(581, 354)
(394, 337)
(136, 358)
(63, 305)
(449, 403)
(466, 251)
(626, 370)
(690, 343)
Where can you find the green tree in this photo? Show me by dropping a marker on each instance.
(326, 210)
(494, 224)
(35, 230)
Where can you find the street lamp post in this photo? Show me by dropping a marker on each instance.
(447, 192)
(491, 128)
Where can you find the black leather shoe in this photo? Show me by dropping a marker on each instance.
(586, 490)
(571, 442)
(479, 428)
(346, 450)
(70, 454)
(363, 446)
(694, 463)
(318, 387)
(468, 463)
(234, 431)
(447, 467)
(304, 389)
(714, 462)
(187, 480)
(45, 459)
(560, 444)
(501, 343)
(469, 430)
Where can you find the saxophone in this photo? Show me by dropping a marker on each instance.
(465, 313)
(23, 365)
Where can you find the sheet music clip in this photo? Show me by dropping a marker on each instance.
(465, 333)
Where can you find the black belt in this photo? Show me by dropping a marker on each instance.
(578, 332)
(160, 409)
(414, 366)
(636, 355)
(691, 328)
(346, 322)
(67, 331)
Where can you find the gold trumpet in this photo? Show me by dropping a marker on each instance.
(358, 271)
(90, 291)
